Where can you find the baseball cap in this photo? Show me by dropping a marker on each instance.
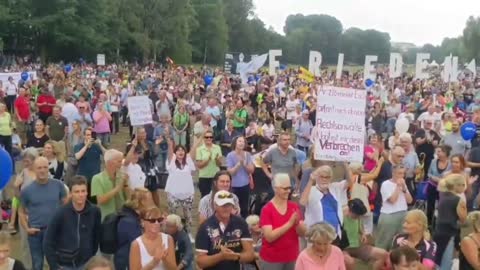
(223, 197)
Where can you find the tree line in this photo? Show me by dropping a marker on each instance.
(194, 31)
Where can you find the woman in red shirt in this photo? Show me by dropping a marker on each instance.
(282, 224)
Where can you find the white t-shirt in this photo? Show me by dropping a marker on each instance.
(136, 177)
(291, 105)
(388, 187)
(268, 131)
(409, 116)
(180, 181)
(427, 116)
(11, 89)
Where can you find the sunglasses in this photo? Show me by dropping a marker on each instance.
(153, 220)
(285, 188)
(208, 137)
(225, 196)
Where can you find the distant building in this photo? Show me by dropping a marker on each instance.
(403, 46)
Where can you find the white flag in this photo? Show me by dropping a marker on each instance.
(251, 67)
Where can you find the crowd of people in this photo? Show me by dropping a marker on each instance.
(247, 149)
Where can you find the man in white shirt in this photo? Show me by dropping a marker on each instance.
(291, 106)
(70, 111)
(11, 91)
(430, 114)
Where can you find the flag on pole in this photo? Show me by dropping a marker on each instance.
(306, 75)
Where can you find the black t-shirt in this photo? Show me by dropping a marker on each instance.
(35, 142)
(474, 157)
(210, 238)
(426, 147)
(476, 139)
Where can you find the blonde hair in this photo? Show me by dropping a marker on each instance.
(420, 217)
(474, 220)
(356, 167)
(175, 219)
(152, 212)
(321, 230)
(252, 220)
(137, 199)
(405, 137)
(448, 183)
(98, 262)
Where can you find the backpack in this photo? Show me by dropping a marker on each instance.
(108, 238)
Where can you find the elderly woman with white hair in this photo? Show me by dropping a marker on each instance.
(410, 161)
(324, 199)
(184, 249)
(282, 224)
(321, 254)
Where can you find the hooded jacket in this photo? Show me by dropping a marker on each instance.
(72, 237)
(128, 229)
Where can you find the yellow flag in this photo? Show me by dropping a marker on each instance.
(306, 75)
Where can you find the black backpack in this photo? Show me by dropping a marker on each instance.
(108, 238)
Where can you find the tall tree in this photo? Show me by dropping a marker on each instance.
(321, 33)
(237, 13)
(211, 36)
(471, 37)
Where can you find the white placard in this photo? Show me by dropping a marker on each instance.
(100, 59)
(340, 127)
(17, 76)
(139, 110)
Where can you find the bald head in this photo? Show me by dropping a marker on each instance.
(398, 153)
(40, 166)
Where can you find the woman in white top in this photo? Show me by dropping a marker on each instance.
(153, 250)
(179, 187)
(114, 100)
(395, 197)
(136, 176)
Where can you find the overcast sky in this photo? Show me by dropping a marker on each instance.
(416, 21)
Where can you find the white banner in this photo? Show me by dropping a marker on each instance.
(17, 76)
(100, 59)
(139, 110)
(340, 127)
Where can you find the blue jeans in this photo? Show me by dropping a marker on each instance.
(471, 205)
(390, 125)
(35, 243)
(104, 138)
(447, 258)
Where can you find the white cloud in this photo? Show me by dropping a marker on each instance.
(416, 21)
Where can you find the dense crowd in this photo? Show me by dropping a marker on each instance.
(266, 203)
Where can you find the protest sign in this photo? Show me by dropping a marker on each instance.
(340, 127)
(17, 76)
(139, 110)
(100, 59)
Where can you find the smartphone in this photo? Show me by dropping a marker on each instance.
(94, 135)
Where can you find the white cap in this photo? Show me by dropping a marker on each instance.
(223, 197)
